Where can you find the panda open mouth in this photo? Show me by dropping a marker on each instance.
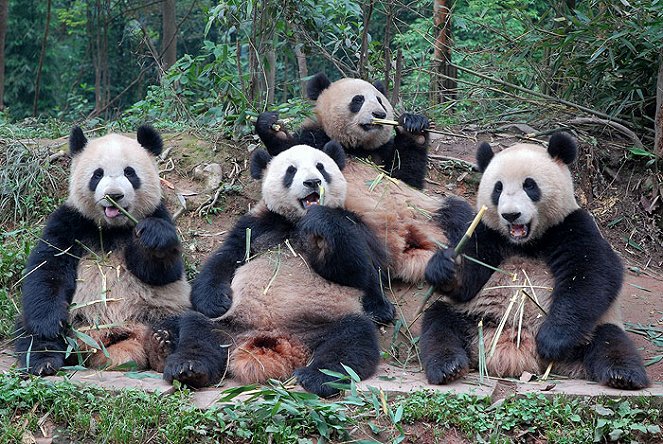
(310, 200)
(113, 212)
(370, 126)
(519, 231)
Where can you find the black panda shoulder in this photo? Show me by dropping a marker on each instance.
(312, 134)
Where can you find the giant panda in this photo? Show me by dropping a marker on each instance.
(386, 193)
(300, 297)
(555, 255)
(94, 272)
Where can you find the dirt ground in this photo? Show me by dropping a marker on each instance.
(608, 184)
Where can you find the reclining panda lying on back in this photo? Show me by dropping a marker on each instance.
(299, 294)
(409, 223)
(533, 223)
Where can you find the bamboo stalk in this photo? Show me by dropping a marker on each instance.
(470, 231)
(395, 123)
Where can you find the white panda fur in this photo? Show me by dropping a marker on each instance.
(85, 247)
(533, 229)
(297, 304)
(410, 224)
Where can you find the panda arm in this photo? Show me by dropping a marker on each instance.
(588, 277)
(154, 252)
(50, 279)
(405, 160)
(340, 248)
(464, 281)
(210, 290)
(278, 141)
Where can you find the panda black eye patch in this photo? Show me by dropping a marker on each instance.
(133, 178)
(532, 189)
(324, 172)
(497, 191)
(356, 103)
(94, 180)
(289, 176)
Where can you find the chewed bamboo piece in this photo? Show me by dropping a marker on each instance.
(122, 210)
(376, 121)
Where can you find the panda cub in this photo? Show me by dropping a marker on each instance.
(410, 224)
(565, 309)
(295, 302)
(96, 273)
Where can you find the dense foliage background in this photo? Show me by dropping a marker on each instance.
(91, 60)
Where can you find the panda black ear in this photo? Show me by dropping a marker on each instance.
(484, 155)
(334, 150)
(562, 146)
(316, 85)
(77, 140)
(380, 87)
(149, 139)
(259, 160)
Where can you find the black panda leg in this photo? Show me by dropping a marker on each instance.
(351, 341)
(612, 359)
(39, 355)
(200, 357)
(444, 339)
(162, 342)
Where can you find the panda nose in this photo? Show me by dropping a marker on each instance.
(510, 217)
(116, 196)
(312, 183)
(379, 114)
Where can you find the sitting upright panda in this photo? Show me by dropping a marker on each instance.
(408, 222)
(564, 312)
(300, 291)
(94, 272)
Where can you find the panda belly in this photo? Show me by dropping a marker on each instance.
(107, 293)
(511, 349)
(278, 291)
(519, 301)
(400, 216)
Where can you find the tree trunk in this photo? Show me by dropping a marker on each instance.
(395, 94)
(270, 69)
(42, 54)
(658, 121)
(363, 53)
(386, 44)
(444, 85)
(302, 68)
(168, 35)
(98, 32)
(4, 17)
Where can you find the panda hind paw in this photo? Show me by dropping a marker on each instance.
(46, 366)
(625, 378)
(445, 371)
(314, 381)
(190, 371)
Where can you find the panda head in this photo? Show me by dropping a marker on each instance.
(123, 168)
(300, 177)
(346, 107)
(527, 188)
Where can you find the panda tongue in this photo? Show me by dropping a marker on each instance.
(111, 212)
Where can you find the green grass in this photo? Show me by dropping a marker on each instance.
(277, 415)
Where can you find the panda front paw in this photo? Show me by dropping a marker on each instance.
(268, 127)
(414, 126)
(380, 311)
(211, 300)
(441, 270)
(558, 343)
(158, 236)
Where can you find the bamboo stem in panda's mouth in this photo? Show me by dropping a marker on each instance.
(376, 121)
(122, 210)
